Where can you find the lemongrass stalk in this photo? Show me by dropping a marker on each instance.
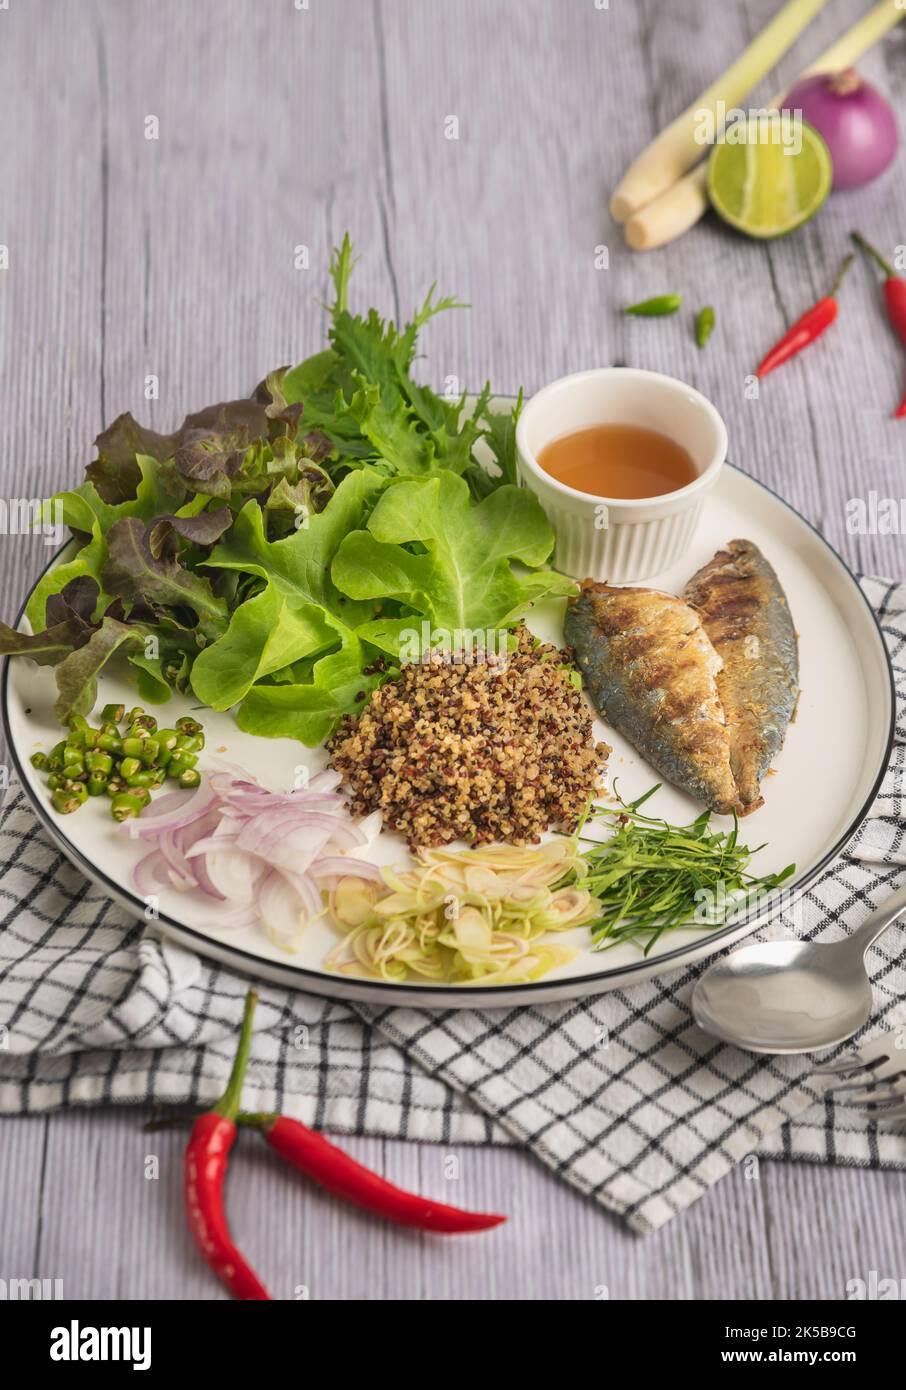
(678, 147)
(676, 211)
(668, 216)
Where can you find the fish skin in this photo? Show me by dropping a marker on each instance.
(651, 672)
(746, 615)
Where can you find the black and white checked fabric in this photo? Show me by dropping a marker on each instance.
(621, 1096)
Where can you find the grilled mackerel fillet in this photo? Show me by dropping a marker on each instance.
(745, 613)
(651, 671)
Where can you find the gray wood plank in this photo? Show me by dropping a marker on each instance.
(23, 1166)
(109, 1230)
(51, 342)
(174, 257)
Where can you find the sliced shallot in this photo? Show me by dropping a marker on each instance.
(261, 856)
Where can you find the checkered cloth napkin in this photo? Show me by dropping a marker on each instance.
(621, 1095)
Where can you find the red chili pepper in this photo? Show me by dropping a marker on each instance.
(805, 330)
(895, 297)
(340, 1174)
(212, 1137)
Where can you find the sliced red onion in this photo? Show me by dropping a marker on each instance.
(203, 879)
(325, 781)
(175, 819)
(245, 915)
(234, 874)
(296, 857)
(181, 873)
(328, 801)
(282, 911)
(150, 874)
(339, 866)
(371, 826)
(268, 827)
(268, 856)
(307, 893)
(210, 844)
(168, 802)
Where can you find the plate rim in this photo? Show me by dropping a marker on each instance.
(582, 984)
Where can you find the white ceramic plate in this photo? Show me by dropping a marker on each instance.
(825, 779)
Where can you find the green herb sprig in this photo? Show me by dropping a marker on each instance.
(650, 877)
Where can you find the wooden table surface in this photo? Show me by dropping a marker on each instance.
(183, 258)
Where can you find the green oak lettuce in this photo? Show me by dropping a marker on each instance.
(461, 577)
(272, 553)
(297, 611)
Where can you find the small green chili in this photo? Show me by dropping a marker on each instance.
(656, 308)
(704, 325)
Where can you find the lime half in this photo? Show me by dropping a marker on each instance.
(769, 176)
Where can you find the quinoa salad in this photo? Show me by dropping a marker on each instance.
(498, 748)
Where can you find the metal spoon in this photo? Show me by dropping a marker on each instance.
(793, 996)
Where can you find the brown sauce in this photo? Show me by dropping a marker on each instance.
(618, 461)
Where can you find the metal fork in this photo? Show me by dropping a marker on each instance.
(881, 1082)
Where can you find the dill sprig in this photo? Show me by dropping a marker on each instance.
(650, 877)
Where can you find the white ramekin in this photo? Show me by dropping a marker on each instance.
(614, 538)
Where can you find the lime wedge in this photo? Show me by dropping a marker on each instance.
(763, 185)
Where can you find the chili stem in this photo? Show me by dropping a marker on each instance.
(258, 1119)
(844, 267)
(887, 268)
(228, 1105)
